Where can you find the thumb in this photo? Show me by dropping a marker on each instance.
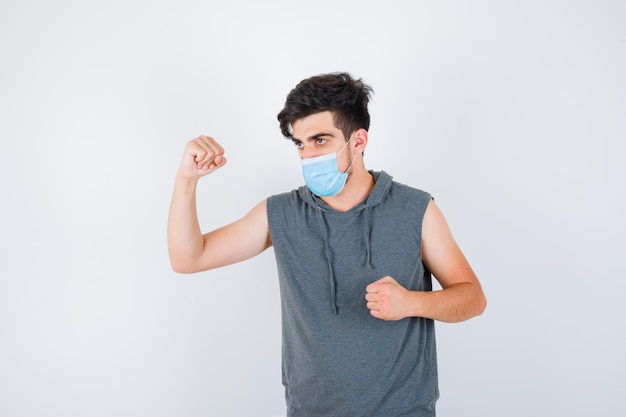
(374, 286)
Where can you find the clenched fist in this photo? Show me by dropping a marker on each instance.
(202, 156)
(387, 299)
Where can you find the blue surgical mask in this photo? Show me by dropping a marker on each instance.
(322, 175)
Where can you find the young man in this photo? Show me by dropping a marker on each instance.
(355, 251)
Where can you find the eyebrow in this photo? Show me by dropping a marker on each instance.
(313, 137)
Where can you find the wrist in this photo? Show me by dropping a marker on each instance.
(417, 301)
(185, 183)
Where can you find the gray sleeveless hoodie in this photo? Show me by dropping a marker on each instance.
(338, 360)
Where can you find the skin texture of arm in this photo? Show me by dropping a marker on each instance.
(190, 250)
(461, 296)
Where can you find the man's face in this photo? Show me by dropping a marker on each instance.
(317, 135)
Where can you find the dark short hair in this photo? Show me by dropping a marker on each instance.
(336, 92)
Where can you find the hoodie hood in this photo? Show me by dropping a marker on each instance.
(382, 185)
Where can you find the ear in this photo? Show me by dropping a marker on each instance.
(360, 140)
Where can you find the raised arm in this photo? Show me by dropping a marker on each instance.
(189, 249)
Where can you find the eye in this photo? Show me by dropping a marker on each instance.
(298, 144)
(320, 141)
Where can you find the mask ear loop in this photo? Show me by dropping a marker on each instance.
(351, 162)
(353, 158)
(344, 146)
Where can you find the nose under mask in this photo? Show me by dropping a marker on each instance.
(322, 175)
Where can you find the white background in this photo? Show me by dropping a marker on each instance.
(512, 114)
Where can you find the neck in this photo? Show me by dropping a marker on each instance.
(359, 185)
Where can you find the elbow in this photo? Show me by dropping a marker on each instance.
(181, 270)
(481, 305)
(475, 307)
(182, 267)
(479, 301)
(182, 262)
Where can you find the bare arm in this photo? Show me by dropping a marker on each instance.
(461, 296)
(189, 249)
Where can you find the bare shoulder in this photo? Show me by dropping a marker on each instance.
(255, 225)
(260, 209)
(440, 252)
(434, 224)
(257, 220)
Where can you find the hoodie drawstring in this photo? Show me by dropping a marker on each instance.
(331, 273)
(367, 235)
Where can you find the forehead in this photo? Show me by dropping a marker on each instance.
(323, 122)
